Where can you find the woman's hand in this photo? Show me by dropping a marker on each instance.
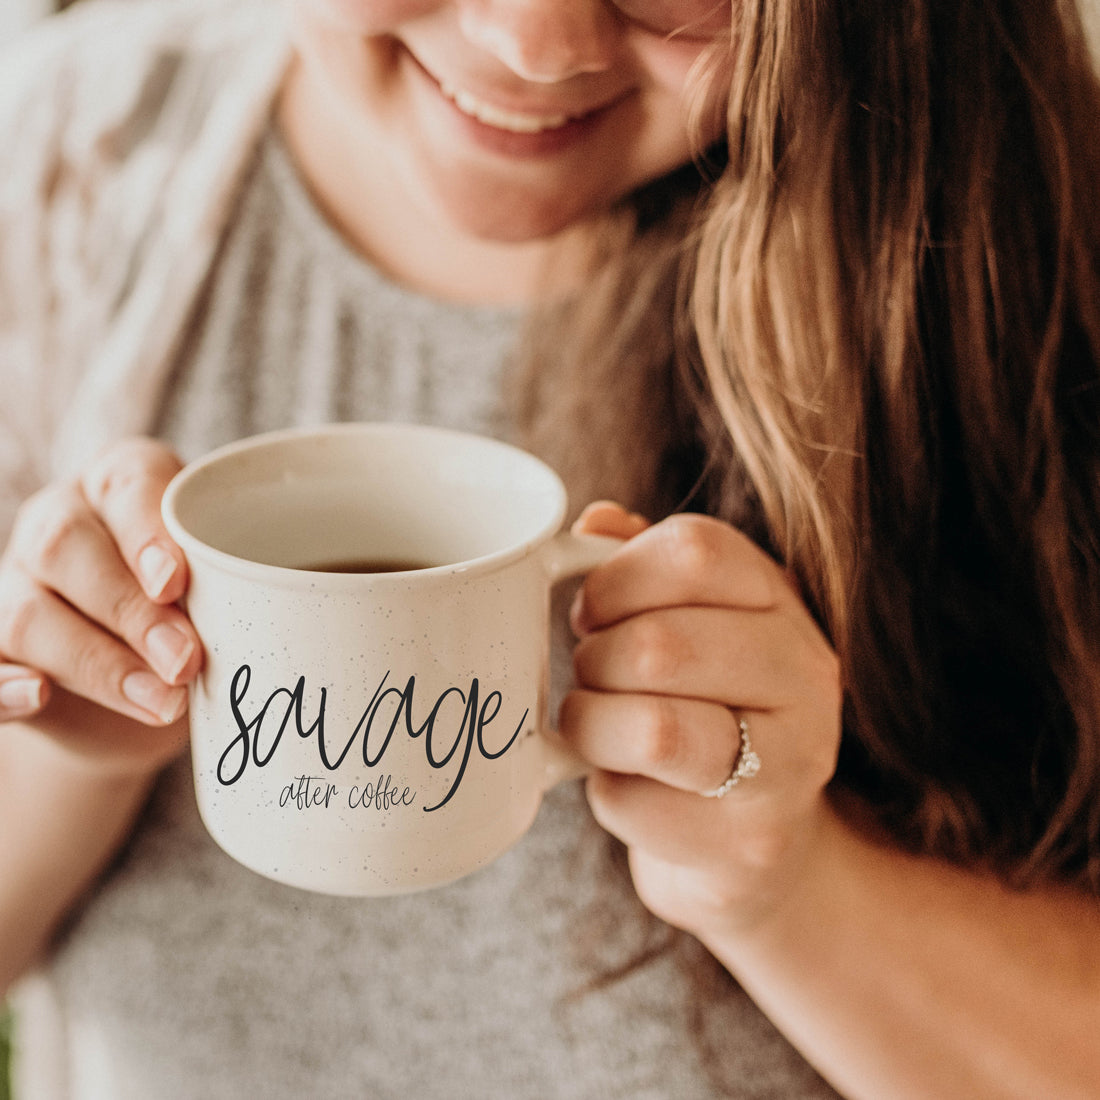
(686, 629)
(94, 651)
(94, 659)
(894, 975)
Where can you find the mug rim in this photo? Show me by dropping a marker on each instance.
(289, 576)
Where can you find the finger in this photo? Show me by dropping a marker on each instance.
(113, 741)
(604, 517)
(736, 658)
(684, 743)
(684, 560)
(63, 546)
(23, 692)
(676, 826)
(48, 634)
(695, 898)
(125, 487)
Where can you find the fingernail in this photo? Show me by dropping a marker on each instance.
(149, 692)
(576, 613)
(21, 696)
(169, 649)
(157, 567)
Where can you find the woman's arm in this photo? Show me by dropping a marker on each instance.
(88, 621)
(62, 819)
(903, 977)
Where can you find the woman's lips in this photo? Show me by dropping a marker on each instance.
(513, 121)
(536, 131)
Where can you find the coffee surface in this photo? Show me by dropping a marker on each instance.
(367, 565)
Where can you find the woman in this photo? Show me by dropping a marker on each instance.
(837, 273)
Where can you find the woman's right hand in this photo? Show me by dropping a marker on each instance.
(93, 650)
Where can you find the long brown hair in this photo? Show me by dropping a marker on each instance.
(868, 328)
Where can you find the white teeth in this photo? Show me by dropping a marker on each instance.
(502, 120)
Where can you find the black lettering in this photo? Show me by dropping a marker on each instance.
(441, 751)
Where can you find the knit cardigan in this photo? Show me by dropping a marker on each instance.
(112, 203)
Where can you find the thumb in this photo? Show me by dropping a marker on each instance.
(23, 692)
(605, 517)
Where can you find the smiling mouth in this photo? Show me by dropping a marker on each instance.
(510, 121)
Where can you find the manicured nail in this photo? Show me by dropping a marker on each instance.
(21, 696)
(157, 567)
(169, 649)
(152, 695)
(576, 614)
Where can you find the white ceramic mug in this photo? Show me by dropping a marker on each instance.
(367, 733)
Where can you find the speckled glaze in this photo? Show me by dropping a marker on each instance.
(368, 734)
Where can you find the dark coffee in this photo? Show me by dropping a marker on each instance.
(367, 565)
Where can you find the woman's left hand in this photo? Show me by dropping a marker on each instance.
(689, 627)
(894, 974)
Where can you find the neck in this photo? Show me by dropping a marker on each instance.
(390, 223)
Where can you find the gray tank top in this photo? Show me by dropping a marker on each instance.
(186, 976)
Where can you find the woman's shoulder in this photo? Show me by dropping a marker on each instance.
(97, 37)
(101, 110)
(88, 83)
(123, 126)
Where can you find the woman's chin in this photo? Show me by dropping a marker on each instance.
(511, 217)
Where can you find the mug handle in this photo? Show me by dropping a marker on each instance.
(564, 556)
